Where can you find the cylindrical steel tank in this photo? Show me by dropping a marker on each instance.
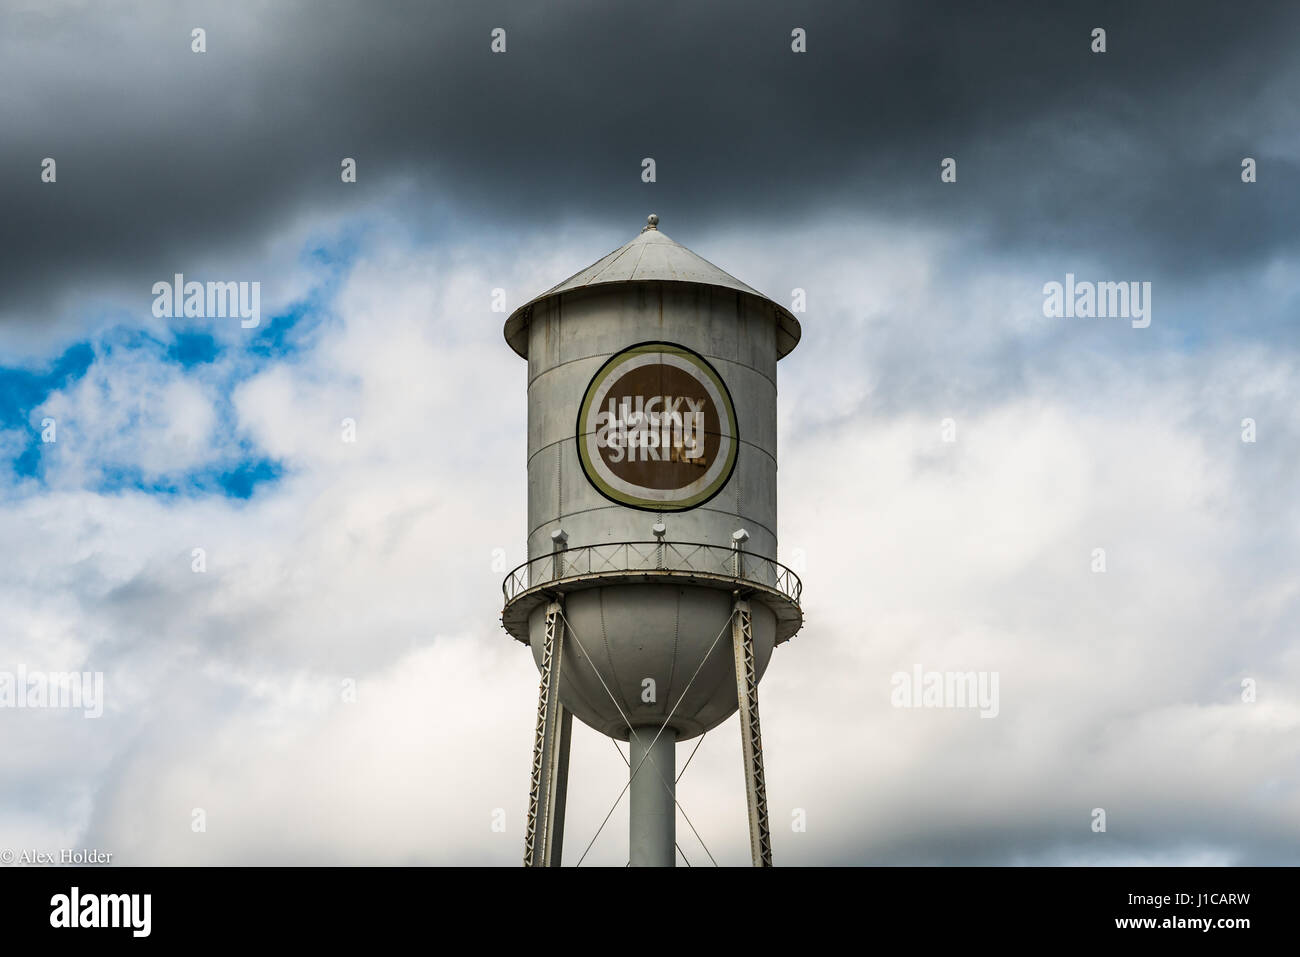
(652, 484)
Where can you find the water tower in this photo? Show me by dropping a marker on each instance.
(651, 599)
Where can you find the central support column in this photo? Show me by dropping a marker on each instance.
(652, 823)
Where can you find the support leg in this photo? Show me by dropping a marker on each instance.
(742, 639)
(558, 790)
(548, 784)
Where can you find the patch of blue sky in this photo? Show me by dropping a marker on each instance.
(237, 479)
(190, 349)
(220, 358)
(22, 390)
(285, 335)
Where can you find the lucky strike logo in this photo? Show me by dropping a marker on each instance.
(657, 428)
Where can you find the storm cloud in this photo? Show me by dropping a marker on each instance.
(167, 156)
(952, 457)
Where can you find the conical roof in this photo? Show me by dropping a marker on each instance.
(650, 257)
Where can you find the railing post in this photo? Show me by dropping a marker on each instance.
(559, 542)
(738, 539)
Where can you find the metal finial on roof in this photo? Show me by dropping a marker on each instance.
(651, 222)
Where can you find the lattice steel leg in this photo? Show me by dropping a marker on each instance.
(742, 639)
(558, 789)
(548, 784)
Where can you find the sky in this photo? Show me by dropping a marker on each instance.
(333, 686)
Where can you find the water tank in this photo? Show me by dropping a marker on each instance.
(652, 494)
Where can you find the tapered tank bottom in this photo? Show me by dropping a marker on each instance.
(652, 824)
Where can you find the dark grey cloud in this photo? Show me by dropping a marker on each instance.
(791, 170)
(167, 157)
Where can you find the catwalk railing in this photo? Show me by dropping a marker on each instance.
(649, 558)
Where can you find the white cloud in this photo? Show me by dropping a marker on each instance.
(373, 561)
(129, 410)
